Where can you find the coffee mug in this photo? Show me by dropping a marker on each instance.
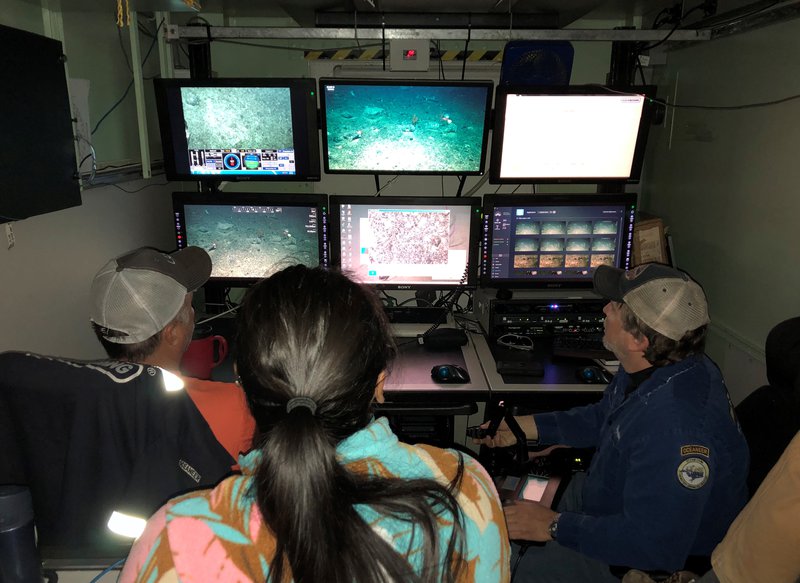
(206, 350)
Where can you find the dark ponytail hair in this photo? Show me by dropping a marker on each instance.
(314, 333)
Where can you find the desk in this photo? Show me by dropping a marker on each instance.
(410, 376)
(559, 377)
(410, 385)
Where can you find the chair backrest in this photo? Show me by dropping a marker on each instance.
(89, 438)
(770, 415)
(769, 418)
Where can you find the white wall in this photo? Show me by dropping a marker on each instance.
(726, 183)
(46, 275)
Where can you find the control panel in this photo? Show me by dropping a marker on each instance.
(542, 317)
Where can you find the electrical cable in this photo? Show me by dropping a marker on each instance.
(727, 107)
(355, 27)
(466, 47)
(92, 154)
(477, 186)
(107, 570)
(215, 316)
(441, 63)
(124, 52)
(139, 189)
(522, 550)
(392, 301)
(127, 90)
(656, 24)
(387, 184)
(666, 103)
(641, 69)
(702, 6)
(739, 17)
(113, 107)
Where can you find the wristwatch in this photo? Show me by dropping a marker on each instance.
(552, 530)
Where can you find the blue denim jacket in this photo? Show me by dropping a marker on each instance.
(669, 473)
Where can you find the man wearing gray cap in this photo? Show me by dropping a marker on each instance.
(99, 442)
(668, 474)
(142, 312)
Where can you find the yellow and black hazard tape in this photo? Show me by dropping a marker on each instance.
(378, 54)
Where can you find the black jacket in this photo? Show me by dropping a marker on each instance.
(89, 438)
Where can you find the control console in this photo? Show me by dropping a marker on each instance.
(541, 316)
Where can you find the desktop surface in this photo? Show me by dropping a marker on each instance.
(559, 375)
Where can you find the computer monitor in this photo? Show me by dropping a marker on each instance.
(239, 129)
(404, 127)
(569, 134)
(37, 125)
(248, 236)
(554, 240)
(406, 242)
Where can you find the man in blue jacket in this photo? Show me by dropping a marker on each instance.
(669, 473)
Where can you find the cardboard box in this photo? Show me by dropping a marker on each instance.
(649, 242)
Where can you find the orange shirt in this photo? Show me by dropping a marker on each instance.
(224, 407)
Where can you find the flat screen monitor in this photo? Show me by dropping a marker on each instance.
(404, 127)
(555, 241)
(406, 242)
(249, 236)
(37, 125)
(571, 134)
(239, 129)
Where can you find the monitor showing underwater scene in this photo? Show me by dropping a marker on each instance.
(405, 127)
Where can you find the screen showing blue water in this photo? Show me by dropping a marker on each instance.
(396, 128)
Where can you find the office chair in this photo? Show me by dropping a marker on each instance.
(770, 415)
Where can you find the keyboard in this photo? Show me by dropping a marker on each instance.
(583, 346)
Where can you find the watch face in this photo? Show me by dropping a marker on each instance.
(553, 530)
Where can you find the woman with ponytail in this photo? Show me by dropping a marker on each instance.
(328, 494)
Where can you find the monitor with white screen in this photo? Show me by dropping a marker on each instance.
(573, 134)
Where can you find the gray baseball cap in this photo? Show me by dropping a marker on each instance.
(664, 298)
(134, 296)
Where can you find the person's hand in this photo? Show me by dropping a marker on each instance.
(503, 437)
(528, 520)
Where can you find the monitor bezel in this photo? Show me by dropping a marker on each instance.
(473, 255)
(305, 127)
(498, 131)
(490, 202)
(487, 85)
(224, 198)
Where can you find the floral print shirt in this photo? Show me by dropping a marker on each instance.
(219, 534)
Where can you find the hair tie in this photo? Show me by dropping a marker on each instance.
(306, 402)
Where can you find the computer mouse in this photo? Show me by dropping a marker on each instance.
(593, 375)
(449, 373)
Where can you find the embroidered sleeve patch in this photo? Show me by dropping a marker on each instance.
(693, 473)
(694, 450)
